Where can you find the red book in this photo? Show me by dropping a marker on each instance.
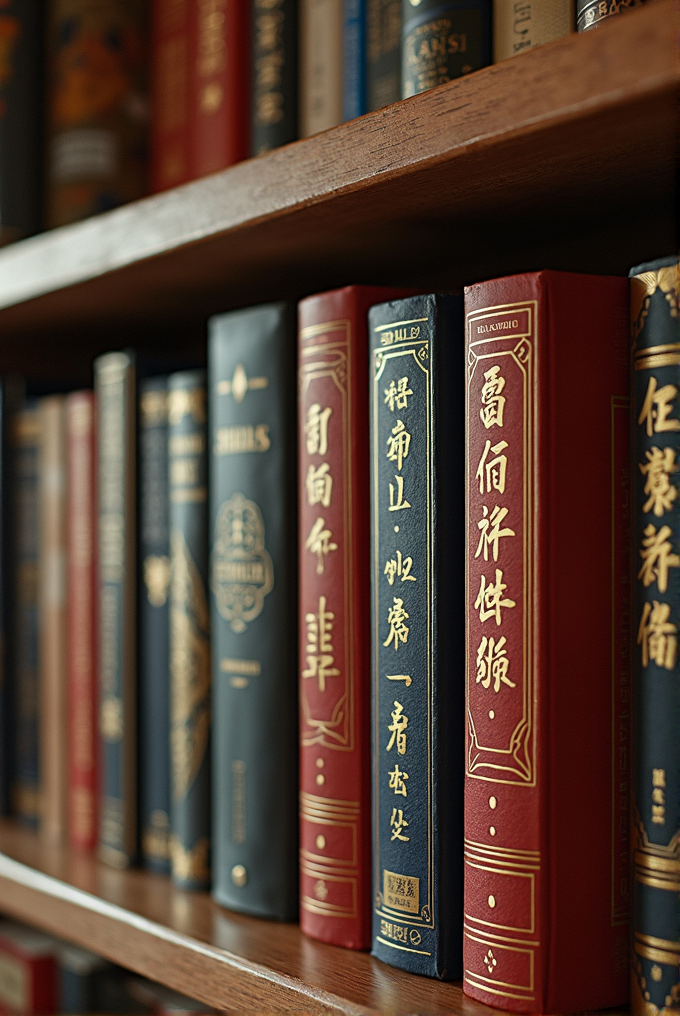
(335, 649)
(220, 86)
(170, 92)
(546, 798)
(82, 627)
(28, 972)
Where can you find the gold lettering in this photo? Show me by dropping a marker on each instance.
(319, 484)
(490, 598)
(491, 532)
(399, 502)
(238, 440)
(656, 557)
(320, 648)
(493, 403)
(319, 543)
(398, 395)
(398, 444)
(398, 729)
(658, 469)
(494, 470)
(316, 429)
(399, 567)
(493, 664)
(395, 619)
(658, 635)
(398, 824)
(657, 407)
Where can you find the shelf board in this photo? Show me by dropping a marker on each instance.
(186, 941)
(513, 167)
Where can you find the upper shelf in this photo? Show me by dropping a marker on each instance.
(499, 171)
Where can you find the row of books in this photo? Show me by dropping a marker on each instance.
(229, 79)
(296, 590)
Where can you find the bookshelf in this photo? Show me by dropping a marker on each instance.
(561, 158)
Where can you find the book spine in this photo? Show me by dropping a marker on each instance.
(21, 95)
(220, 105)
(417, 629)
(354, 59)
(383, 52)
(189, 630)
(443, 41)
(253, 521)
(154, 626)
(52, 679)
(519, 25)
(29, 973)
(116, 443)
(25, 426)
(81, 515)
(274, 43)
(11, 393)
(170, 83)
(655, 296)
(97, 135)
(591, 13)
(321, 65)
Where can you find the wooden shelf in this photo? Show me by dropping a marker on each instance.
(562, 158)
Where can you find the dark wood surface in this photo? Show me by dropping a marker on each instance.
(186, 941)
(562, 158)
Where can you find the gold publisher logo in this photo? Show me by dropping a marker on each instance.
(401, 892)
(242, 570)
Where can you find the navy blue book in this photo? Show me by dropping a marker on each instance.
(441, 41)
(383, 53)
(154, 625)
(274, 104)
(353, 58)
(418, 563)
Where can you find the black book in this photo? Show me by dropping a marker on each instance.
(418, 564)
(253, 525)
(274, 44)
(383, 52)
(442, 40)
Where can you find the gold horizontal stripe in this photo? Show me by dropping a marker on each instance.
(325, 326)
(500, 862)
(670, 884)
(493, 849)
(492, 991)
(326, 910)
(524, 943)
(657, 955)
(342, 868)
(659, 360)
(653, 863)
(667, 348)
(315, 809)
(396, 324)
(189, 495)
(657, 943)
(393, 945)
(312, 799)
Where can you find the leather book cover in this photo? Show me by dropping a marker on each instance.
(52, 680)
(440, 42)
(21, 118)
(29, 982)
(253, 580)
(81, 663)
(220, 84)
(170, 90)
(334, 680)
(274, 69)
(591, 13)
(383, 53)
(417, 624)
(521, 26)
(548, 626)
(25, 439)
(154, 626)
(321, 65)
(654, 299)
(115, 389)
(189, 630)
(353, 59)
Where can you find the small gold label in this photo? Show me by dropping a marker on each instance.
(157, 579)
(401, 892)
(242, 570)
(239, 875)
(190, 865)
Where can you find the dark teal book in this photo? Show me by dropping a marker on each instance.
(154, 626)
(418, 657)
(383, 53)
(353, 58)
(591, 13)
(189, 630)
(655, 314)
(274, 45)
(253, 527)
(442, 41)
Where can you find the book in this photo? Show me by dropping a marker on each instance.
(417, 612)
(97, 107)
(154, 625)
(321, 65)
(52, 672)
(11, 396)
(591, 13)
(170, 90)
(274, 43)
(440, 42)
(28, 985)
(25, 438)
(548, 490)
(353, 59)
(334, 611)
(383, 53)
(654, 298)
(81, 641)
(79, 974)
(21, 120)
(115, 388)
(189, 630)
(519, 25)
(220, 83)
(253, 579)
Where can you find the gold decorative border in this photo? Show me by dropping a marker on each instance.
(470, 974)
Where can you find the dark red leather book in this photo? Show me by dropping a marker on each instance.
(83, 789)
(170, 93)
(28, 985)
(335, 651)
(548, 617)
(220, 86)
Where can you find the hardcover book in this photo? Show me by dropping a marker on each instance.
(334, 685)
(548, 712)
(170, 89)
(274, 42)
(28, 985)
(154, 625)
(654, 298)
(383, 53)
(253, 578)
(321, 65)
(189, 630)
(418, 657)
(115, 389)
(519, 25)
(83, 711)
(440, 42)
(591, 13)
(11, 395)
(353, 59)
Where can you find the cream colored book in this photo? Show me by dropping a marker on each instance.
(519, 25)
(321, 27)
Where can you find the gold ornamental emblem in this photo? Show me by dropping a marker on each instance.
(242, 570)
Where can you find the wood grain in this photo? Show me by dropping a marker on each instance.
(562, 158)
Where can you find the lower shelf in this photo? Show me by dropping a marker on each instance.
(187, 942)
